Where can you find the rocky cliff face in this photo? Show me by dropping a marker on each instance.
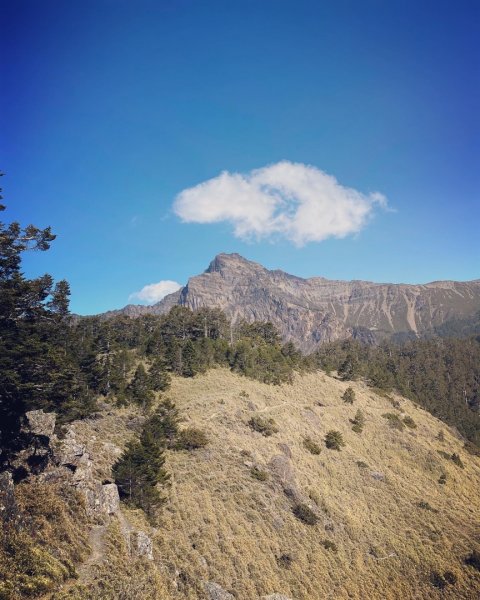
(316, 310)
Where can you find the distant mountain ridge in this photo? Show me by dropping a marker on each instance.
(317, 310)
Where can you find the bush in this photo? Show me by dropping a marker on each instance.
(305, 514)
(394, 421)
(334, 440)
(329, 545)
(311, 446)
(473, 560)
(191, 438)
(349, 395)
(457, 460)
(264, 426)
(442, 480)
(258, 474)
(409, 422)
(285, 561)
(426, 506)
(441, 436)
(358, 422)
(361, 464)
(442, 580)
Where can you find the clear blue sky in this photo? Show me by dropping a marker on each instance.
(110, 108)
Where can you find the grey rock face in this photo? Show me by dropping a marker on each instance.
(41, 423)
(141, 544)
(312, 311)
(216, 592)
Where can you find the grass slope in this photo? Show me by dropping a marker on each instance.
(385, 524)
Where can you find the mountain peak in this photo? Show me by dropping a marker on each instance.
(234, 260)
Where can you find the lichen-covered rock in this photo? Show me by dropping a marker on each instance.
(216, 592)
(141, 544)
(110, 503)
(38, 422)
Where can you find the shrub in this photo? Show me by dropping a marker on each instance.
(311, 446)
(473, 560)
(329, 545)
(442, 480)
(334, 440)
(426, 506)
(349, 395)
(394, 421)
(457, 460)
(358, 422)
(305, 514)
(361, 464)
(285, 561)
(191, 438)
(441, 436)
(441, 580)
(258, 474)
(409, 422)
(264, 426)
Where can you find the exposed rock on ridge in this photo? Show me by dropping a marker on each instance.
(316, 310)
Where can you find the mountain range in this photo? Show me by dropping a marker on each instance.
(312, 311)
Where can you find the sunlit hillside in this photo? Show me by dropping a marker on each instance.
(394, 515)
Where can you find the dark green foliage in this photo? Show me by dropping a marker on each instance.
(159, 378)
(358, 422)
(334, 440)
(263, 425)
(349, 395)
(394, 421)
(37, 367)
(305, 514)
(139, 471)
(311, 446)
(349, 369)
(329, 545)
(164, 422)
(409, 422)
(139, 389)
(191, 438)
(258, 474)
(473, 559)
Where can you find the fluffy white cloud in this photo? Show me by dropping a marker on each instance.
(154, 292)
(293, 200)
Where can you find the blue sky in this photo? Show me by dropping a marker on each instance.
(110, 109)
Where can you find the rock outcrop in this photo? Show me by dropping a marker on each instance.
(316, 310)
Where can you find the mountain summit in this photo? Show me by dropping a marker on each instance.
(316, 310)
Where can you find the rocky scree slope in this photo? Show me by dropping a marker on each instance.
(316, 310)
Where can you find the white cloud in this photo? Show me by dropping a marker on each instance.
(298, 202)
(154, 292)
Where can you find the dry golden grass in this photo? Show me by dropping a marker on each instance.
(220, 524)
